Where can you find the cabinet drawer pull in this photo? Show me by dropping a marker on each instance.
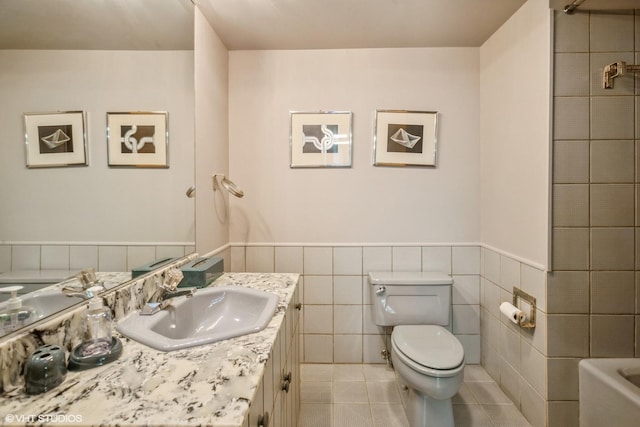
(285, 386)
(263, 420)
(299, 306)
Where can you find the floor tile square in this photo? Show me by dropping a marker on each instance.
(488, 393)
(350, 392)
(470, 416)
(315, 415)
(377, 372)
(316, 392)
(316, 372)
(387, 415)
(352, 415)
(476, 373)
(505, 416)
(383, 392)
(348, 372)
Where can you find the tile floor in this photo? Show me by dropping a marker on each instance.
(368, 396)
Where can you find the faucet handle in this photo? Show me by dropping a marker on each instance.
(84, 294)
(87, 277)
(172, 277)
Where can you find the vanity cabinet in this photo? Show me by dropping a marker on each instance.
(256, 414)
(236, 382)
(277, 399)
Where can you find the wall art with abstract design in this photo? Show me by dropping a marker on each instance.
(138, 139)
(55, 139)
(405, 138)
(320, 139)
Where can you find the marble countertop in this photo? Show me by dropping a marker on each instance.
(207, 385)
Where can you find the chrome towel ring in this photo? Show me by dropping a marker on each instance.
(228, 185)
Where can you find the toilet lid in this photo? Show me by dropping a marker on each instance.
(429, 345)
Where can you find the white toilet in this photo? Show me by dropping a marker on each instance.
(427, 358)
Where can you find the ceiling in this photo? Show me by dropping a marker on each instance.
(326, 24)
(260, 24)
(250, 24)
(96, 24)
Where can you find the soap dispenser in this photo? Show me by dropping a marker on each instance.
(98, 346)
(14, 315)
(96, 333)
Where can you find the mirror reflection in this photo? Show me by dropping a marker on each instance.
(22, 308)
(120, 56)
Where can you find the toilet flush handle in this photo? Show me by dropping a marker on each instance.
(381, 290)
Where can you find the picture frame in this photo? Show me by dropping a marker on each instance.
(138, 139)
(320, 139)
(405, 138)
(55, 139)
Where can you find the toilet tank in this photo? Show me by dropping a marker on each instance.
(410, 298)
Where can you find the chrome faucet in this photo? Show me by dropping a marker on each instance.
(162, 297)
(86, 280)
(168, 295)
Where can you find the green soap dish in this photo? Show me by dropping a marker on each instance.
(78, 362)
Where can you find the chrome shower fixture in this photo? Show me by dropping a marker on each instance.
(616, 69)
(228, 185)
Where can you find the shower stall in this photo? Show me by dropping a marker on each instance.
(593, 292)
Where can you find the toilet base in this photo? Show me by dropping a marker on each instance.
(423, 411)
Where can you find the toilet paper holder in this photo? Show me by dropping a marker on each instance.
(531, 300)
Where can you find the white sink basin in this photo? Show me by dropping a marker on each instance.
(212, 314)
(609, 392)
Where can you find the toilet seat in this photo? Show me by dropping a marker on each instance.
(428, 349)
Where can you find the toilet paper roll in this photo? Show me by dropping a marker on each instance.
(513, 313)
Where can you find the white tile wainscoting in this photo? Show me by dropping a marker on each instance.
(76, 256)
(336, 324)
(515, 357)
(337, 328)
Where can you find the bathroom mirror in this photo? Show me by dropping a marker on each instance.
(96, 57)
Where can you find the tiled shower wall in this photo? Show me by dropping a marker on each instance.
(73, 257)
(593, 293)
(337, 327)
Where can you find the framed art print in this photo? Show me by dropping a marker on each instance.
(320, 139)
(55, 139)
(138, 139)
(405, 138)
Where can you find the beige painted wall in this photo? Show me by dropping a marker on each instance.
(361, 204)
(515, 66)
(96, 203)
(212, 147)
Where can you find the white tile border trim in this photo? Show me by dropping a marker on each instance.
(388, 244)
(516, 258)
(394, 244)
(65, 243)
